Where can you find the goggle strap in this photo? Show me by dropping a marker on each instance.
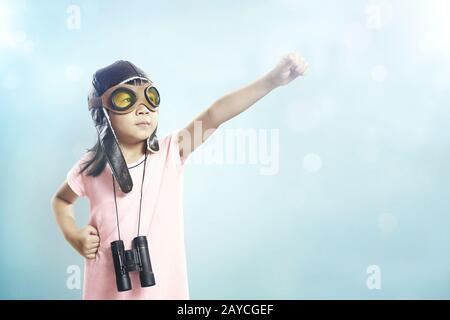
(136, 77)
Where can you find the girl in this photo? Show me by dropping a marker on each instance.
(129, 172)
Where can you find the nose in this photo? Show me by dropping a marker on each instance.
(142, 109)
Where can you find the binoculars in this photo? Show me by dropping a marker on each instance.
(136, 259)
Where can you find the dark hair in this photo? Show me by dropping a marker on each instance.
(97, 163)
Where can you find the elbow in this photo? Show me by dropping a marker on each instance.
(53, 201)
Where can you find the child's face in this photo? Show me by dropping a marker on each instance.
(126, 125)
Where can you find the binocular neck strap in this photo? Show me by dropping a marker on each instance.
(140, 201)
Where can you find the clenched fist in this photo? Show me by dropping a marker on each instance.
(86, 241)
(290, 67)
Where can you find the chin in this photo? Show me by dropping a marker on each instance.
(143, 137)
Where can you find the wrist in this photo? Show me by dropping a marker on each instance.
(269, 81)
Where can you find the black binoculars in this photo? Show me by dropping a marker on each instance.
(136, 259)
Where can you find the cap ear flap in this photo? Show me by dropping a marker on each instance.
(111, 148)
(152, 142)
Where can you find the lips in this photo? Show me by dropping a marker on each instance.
(147, 123)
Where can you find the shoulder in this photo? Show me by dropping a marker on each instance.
(76, 177)
(81, 163)
(169, 141)
(169, 147)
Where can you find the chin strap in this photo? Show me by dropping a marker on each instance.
(111, 148)
(152, 142)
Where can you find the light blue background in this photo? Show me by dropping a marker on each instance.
(374, 109)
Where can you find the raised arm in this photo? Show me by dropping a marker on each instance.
(232, 104)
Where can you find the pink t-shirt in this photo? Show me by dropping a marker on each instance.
(161, 221)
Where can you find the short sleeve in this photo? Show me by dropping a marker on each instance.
(76, 180)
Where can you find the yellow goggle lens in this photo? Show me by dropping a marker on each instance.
(153, 96)
(122, 100)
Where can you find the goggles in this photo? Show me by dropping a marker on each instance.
(124, 98)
